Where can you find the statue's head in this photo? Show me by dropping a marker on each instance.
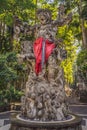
(44, 15)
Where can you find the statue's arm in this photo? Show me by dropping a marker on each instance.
(62, 19)
(21, 27)
(24, 27)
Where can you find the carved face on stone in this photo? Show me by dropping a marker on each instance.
(44, 15)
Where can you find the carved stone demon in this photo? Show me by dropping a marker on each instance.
(45, 97)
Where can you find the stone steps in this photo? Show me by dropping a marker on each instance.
(84, 127)
(5, 127)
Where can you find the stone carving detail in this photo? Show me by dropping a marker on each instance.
(45, 97)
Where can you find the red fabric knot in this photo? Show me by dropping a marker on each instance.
(37, 48)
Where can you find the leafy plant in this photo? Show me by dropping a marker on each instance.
(7, 72)
(10, 95)
(82, 64)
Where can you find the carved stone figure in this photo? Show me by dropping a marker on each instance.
(45, 97)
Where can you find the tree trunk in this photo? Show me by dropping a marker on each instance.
(35, 12)
(84, 39)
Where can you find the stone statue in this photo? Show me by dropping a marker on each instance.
(45, 97)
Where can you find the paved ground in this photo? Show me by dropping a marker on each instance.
(80, 110)
(76, 109)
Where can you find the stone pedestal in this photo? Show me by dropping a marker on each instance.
(71, 124)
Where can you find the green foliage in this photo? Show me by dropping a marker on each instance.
(22, 8)
(10, 70)
(4, 43)
(7, 72)
(84, 9)
(82, 57)
(2, 104)
(82, 64)
(70, 47)
(11, 94)
(10, 74)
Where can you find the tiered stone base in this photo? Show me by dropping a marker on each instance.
(72, 124)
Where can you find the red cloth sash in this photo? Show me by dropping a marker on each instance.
(37, 48)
